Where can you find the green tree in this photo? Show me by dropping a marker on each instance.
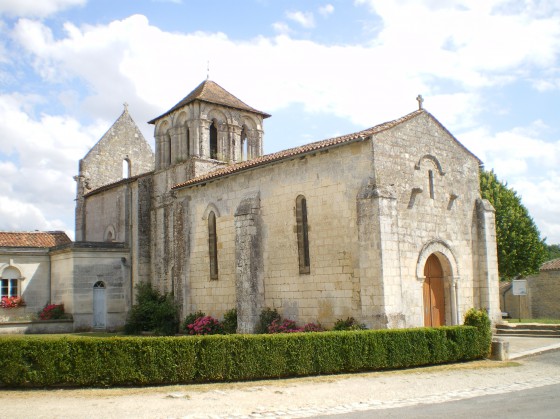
(553, 251)
(520, 248)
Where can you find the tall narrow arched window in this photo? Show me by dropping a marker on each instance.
(302, 235)
(126, 168)
(244, 145)
(213, 245)
(168, 149)
(188, 145)
(431, 183)
(213, 141)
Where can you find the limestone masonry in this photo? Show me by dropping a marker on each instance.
(385, 225)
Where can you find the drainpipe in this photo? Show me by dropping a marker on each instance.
(504, 295)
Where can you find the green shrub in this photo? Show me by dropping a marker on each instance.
(190, 319)
(153, 312)
(266, 318)
(480, 320)
(117, 361)
(349, 324)
(230, 321)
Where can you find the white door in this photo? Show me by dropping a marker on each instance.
(99, 310)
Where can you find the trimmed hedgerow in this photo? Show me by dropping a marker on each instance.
(117, 361)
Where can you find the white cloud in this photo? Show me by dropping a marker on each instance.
(473, 43)
(282, 28)
(36, 8)
(305, 19)
(326, 10)
(36, 182)
(529, 163)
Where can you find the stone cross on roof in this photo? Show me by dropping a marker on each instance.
(420, 100)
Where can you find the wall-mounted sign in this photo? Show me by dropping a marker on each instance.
(519, 286)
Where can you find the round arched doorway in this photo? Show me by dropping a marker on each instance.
(434, 295)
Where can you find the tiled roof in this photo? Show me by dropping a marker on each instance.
(292, 152)
(551, 265)
(209, 91)
(33, 239)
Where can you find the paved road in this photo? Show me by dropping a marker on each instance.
(541, 402)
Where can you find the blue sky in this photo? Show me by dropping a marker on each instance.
(488, 70)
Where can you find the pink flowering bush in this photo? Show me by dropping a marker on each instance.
(206, 325)
(289, 326)
(312, 327)
(11, 302)
(52, 312)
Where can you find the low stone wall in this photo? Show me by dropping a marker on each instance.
(37, 327)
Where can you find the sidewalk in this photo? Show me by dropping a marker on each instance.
(520, 346)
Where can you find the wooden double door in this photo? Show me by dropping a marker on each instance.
(434, 296)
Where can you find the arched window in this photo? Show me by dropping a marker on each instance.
(212, 245)
(302, 235)
(10, 280)
(126, 169)
(244, 145)
(431, 183)
(188, 145)
(213, 141)
(168, 149)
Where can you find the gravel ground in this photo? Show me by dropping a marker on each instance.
(303, 397)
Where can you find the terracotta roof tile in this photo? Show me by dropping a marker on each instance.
(211, 92)
(551, 265)
(293, 152)
(33, 239)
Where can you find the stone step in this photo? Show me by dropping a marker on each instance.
(528, 326)
(528, 329)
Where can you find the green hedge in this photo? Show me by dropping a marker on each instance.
(86, 361)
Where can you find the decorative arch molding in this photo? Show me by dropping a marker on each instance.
(439, 248)
(218, 116)
(163, 127)
(433, 159)
(109, 235)
(182, 117)
(211, 208)
(13, 266)
(248, 122)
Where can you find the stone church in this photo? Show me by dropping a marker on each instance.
(385, 225)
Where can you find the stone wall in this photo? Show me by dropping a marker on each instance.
(545, 294)
(77, 268)
(331, 290)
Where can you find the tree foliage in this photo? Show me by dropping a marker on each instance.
(553, 251)
(520, 248)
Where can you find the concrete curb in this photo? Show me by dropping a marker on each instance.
(534, 351)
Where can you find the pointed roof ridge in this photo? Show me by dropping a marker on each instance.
(211, 92)
(123, 115)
